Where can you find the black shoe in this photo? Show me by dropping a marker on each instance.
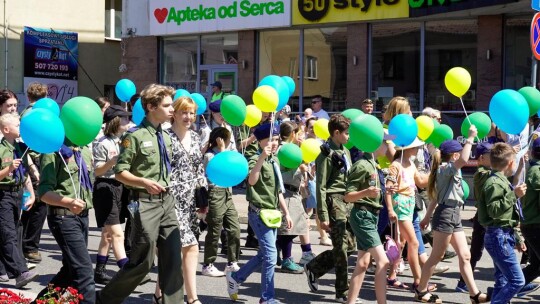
(252, 243)
(100, 275)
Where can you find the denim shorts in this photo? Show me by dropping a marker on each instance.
(447, 219)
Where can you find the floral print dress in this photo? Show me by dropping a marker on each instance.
(187, 174)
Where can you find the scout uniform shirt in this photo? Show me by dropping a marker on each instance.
(330, 180)
(479, 179)
(265, 193)
(531, 200)
(139, 154)
(6, 158)
(56, 178)
(362, 172)
(497, 205)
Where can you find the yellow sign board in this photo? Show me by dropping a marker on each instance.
(330, 11)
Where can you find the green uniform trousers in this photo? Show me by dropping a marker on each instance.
(343, 241)
(153, 225)
(221, 213)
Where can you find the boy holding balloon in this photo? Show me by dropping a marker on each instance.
(13, 180)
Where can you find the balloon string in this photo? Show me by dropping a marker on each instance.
(467, 116)
(70, 176)
(22, 157)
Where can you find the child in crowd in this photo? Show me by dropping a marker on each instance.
(13, 181)
(221, 212)
(264, 192)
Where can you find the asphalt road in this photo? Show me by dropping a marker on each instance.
(290, 288)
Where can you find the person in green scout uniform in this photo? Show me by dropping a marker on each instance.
(363, 189)
(13, 180)
(66, 188)
(499, 212)
(144, 167)
(265, 192)
(333, 165)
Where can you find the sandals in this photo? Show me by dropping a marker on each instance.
(421, 297)
(431, 287)
(195, 301)
(394, 283)
(476, 298)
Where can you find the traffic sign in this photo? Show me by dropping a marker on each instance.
(535, 4)
(535, 36)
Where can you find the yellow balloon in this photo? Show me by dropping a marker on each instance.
(311, 148)
(425, 126)
(266, 98)
(457, 81)
(253, 116)
(320, 127)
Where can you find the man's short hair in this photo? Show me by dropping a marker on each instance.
(317, 97)
(501, 155)
(367, 101)
(338, 122)
(153, 94)
(36, 91)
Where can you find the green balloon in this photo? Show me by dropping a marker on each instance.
(466, 189)
(366, 133)
(482, 123)
(82, 119)
(532, 95)
(352, 113)
(233, 109)
(290, 156)
(349, 144)
(440, 134)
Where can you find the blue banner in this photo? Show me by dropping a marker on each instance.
(50, 53)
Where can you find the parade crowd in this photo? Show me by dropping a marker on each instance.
(151, 197)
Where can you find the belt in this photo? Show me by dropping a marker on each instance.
(64, 211)
(137, 194)
(12, 188)
(291, 188)
(111, 181)
(367, 208)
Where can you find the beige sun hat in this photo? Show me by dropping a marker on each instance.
(416, 143)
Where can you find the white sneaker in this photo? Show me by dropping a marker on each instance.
(30, 266)
(211, 271)
(232, 286)
(232, 268)
(401, 267)
(306, 258)
(325, 242)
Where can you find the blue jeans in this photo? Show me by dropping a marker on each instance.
(265, 259)
(418, 232)
(509, 279)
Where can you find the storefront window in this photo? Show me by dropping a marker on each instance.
(219, 49)
(449, 43)
(179, 68)
(517, 52)
(396, 63)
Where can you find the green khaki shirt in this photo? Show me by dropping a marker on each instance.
(362, 172)
(139, 154)
(496, 208)
(265, 193)
(330, 180)
(6, 158)
(531, 201)
(56, 178)
(479, 178)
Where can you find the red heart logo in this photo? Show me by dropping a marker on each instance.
(161, 14)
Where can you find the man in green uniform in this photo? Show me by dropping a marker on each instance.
(332, 168)
(144, 167)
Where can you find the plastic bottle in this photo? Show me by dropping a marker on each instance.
(25, 198)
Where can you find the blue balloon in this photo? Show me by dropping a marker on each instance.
(281, 88)
(227, 169)
(42, 131)
(404, 128)
(138, 114)
(125, 89)
(180, 93)
(509, 111)
(47, 104)
(290, 84)
(200, 101)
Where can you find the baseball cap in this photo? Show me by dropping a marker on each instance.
(215, 106)
(483, 148)
(217, 84)
(115, 111)
(450, 146)
(263, 131)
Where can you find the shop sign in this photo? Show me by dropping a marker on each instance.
(420, 8)
(168, 17)
(329, 11)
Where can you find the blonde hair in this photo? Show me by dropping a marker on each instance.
(36, 91)
(153, 94)
(397, 105)
(185, 103)
(8, 118)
